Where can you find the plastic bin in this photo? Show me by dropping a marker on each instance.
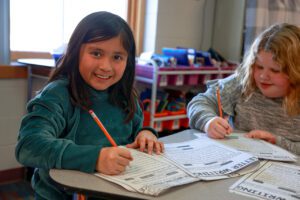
(171, 124)
(158, 125)
(191, 79)
(147, 72)
(184, 123)
(175, 79)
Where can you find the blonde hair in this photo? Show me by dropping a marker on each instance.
(283, 41)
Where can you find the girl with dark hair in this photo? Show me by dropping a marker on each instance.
(95, 73)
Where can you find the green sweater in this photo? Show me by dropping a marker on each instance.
(56, 134)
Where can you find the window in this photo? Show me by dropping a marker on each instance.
(43, 25)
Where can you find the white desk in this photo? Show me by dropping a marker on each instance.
(39, 68)
(91, 185)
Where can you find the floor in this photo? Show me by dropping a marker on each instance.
(16, 191)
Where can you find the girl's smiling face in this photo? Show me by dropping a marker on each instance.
(102, 64)
(268, 77)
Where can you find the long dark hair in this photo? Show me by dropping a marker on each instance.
(99, 26)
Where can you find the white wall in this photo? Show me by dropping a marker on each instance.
(198, 24)
(150, 25)
(172, 23)
(12, 108)
(228, 28)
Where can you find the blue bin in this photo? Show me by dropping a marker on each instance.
(179, 54)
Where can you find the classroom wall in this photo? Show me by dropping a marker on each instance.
(13, 102)
(150, 25)
(228, 28)
(172, 23)
(198, 24)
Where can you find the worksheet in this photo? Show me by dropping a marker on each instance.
(272, 181)
(259, 148)
(204, 157)
(150, 174)
(182, 163)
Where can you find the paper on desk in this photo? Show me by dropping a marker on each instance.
(272, 181)
(150, 174)
(259, 148)
(249, 169)
(205, 157)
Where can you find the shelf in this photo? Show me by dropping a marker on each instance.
(176, 72)
(143, 79)
(165, 76)
(203, 72)
(149, 70)
(178, 76)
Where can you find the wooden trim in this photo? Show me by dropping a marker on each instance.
(7, 71)
(15, 55)
(42, 71)
(136, 20)
(12, 175)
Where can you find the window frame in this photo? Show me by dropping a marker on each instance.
(135, 19)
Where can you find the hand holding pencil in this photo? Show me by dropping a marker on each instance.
(218, 127)
(114, 160)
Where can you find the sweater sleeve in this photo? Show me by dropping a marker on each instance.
(203, 107)
(42, 142)
(289, 145)
(137, 121)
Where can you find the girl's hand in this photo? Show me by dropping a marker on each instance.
(113, 160)
(264, 135)
(146, 140)
(218, 128)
